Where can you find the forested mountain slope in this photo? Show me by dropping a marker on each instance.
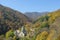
(10, 18)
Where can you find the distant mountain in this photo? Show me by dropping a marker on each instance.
(11, 19)
(35, 15)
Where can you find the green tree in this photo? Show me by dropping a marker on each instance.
(10, 33)
(44, 24)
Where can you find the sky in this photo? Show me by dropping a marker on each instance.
(32, 5)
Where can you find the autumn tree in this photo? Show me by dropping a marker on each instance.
(51, 34)
(42, 36)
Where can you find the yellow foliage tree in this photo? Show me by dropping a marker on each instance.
(42, 36)
(36, 25)
(50, 36)
(14, 38)
(58, 38)
(53, 16)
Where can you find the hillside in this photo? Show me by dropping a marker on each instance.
(10, 18)
(16, 26)
(51, 16)
(49, 26)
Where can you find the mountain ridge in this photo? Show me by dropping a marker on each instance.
(35, 15)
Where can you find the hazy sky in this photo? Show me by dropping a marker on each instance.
(32, 5)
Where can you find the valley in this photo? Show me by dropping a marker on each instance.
(15, 25)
